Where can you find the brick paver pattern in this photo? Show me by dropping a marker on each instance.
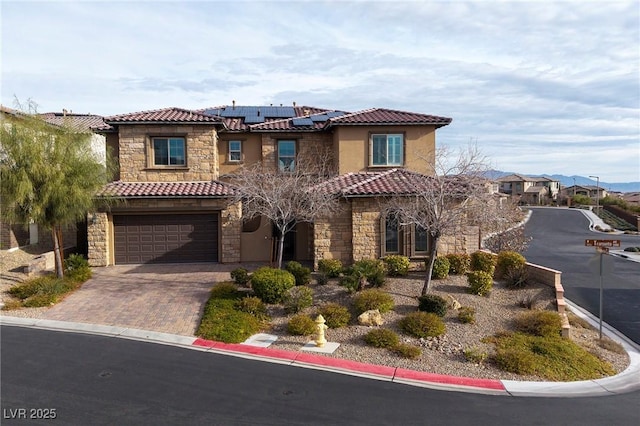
(164, 298)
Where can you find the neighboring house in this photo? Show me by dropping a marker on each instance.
(591, 191)
(530, 190)
(172, 168)
(13, 236)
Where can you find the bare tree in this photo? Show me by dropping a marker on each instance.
(441, 202)
(284, 196)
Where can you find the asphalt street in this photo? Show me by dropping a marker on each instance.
(559, 242)
(99, 380)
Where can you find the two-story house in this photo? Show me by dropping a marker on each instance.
(530, 190)
(175, 202)
(591, 191)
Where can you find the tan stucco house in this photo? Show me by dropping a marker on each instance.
(530, 190)
(175, 202)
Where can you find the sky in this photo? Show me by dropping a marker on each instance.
(538, 87)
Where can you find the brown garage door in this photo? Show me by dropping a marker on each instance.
(166, 238)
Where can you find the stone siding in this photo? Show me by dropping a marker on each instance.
(365, 219)
(463, 241)
(332, 237)
(136, 164)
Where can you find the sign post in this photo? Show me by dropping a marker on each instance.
(602, 248)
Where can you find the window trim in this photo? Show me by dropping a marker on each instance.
(229, 151)
(406, 241)
(402, 135)
(151, 158)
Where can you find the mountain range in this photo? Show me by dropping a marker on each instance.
(578, 180)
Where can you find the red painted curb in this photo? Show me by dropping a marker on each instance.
(450, 380)
(247, 349)
(345, 364)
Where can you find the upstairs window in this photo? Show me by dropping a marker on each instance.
(286, 155)
(387, 150)
(235, 151)
(168, 151)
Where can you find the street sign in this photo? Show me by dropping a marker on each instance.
(602, 243)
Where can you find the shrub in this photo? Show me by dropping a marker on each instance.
(77, 268)
(350, 282)
(10, 305)
(39, 300)
(382, 338)
(528, 300)
(297, 298)
(458, 263)
(397, 266)
(632, 249)
(517, 277)
(301, 273)
(539, 323)
(480, 282)
(440, 268)
(322, 279)
(407, 351)
(433, 303)
(508, 261)
(301, 325)
(422, 324)
(467, 315)
(240, 276)
(330, 267)
(335, 315)
(372, 269)
(372, 299)
(475, 355)
(483, 261)
(252, 305)
(222, 322)
(271, 284)
(225, 290)
(43, 291)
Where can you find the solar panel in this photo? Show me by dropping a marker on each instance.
(253, 119)
(319, 117)
(332, 114)
(302, 122)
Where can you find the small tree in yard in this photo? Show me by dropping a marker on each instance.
(48, 174)
(440, 203)
(501, 220)
(283, 196)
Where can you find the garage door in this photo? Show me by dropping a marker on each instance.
(166, 238)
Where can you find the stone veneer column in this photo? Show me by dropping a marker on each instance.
(365, 219)
(97, 236)
(231, 228)
(269, 152)
(332, 237)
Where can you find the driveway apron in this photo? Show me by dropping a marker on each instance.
(165, 298)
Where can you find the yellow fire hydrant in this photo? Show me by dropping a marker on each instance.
(320, 324)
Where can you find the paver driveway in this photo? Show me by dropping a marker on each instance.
(166, 298)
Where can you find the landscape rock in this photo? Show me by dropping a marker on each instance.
(371, 317)
(453, 303)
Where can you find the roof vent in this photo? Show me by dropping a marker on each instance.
(234, 104)
(294, 104)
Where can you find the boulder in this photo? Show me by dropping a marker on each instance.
(371, 317)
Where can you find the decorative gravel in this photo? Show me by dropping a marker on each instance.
(442, 355)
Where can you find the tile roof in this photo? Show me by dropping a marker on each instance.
(165, 189)
(273, 118)
(166, 115)
(388, 182)
(383, 116)
(81, 122)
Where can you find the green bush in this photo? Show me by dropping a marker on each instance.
(322, 279)
(422, 324)
(39, 300)
(440, 268)
(225, 290)
(382, 338)
(301, 325)
(372, 269)
(483, 261)
(508, 261)
(301, 273)
(222, 322)
(252, 305)
(458, 263)
(397, 266)
(433, 303)
(297, 299)
(480, 282)
(467, 315)
(580, 199)
(335, 315)
(240, 276)
(475, 355)
(271, 284)
(516, 278)
(77, 268)
(539, 323)
(43, 291)
(407, 351)
(372, 299)
(350, 282)
(330, 267)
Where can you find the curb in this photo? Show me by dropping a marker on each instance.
(627, 381)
